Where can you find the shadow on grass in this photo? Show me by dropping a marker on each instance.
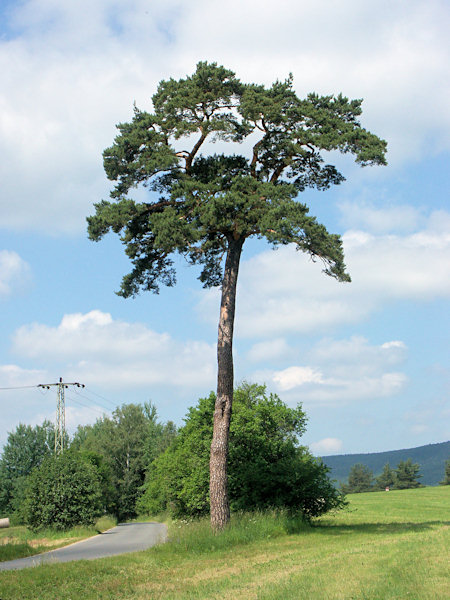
(380, 528)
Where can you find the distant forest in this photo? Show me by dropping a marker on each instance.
(431, 459)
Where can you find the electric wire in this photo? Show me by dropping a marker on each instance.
(90, 400)
(19, 387)
(81, 403)
(114, 404)
(44, 391)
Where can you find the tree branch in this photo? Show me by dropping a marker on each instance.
(194, 151)
(255, 158)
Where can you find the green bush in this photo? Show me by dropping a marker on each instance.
(64, 491)
(266, 468)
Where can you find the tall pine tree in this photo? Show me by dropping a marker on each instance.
(207, 206)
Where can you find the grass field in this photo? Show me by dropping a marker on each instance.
(384, 546)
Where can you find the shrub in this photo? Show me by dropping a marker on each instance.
(266, 469)
(64, 491)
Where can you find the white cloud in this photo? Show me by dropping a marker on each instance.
(342, 372)
(366, 217)
(96, 349)
(282, 292)
(71, 70)
(356, 355)
(14, 273)
(14, 376)
(293, 377)
(82, 415)
(326, 446)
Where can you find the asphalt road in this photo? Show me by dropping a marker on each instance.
(126, 537)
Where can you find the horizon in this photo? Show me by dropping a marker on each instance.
(392, 450)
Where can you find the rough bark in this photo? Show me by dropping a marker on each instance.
(218, 488)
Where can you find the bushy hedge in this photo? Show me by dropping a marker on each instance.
(64, 491)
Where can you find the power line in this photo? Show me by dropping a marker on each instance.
(20, 387)
(60, 405)
(72, 398)
(94, 408)
(114, 404)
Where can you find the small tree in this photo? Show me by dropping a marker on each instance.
(64, 491)
(208, 206)
(406, 475)
(127, 442)
(360, 479)
(387, 478)
(25, 449)
(446, 480)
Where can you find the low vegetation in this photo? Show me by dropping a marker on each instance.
(389, 545)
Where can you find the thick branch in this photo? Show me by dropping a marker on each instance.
(194, 151)
(277, 173)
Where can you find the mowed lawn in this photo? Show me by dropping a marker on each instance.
(386, 545)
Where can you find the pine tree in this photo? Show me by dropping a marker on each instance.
(406, 475)
(446, 480)
(387, 478)
(208, 206)
(360, 479)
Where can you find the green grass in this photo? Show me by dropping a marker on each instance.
(385, 546)
(19, 542)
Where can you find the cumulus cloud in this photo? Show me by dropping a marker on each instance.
(14, 376)
(342, 372)
(293, 377)
(94, 348)
(367, 217)
(71, 70)
(282, 291)
(14, 273)
(326, 446)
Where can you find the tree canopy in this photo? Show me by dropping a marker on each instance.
(387, 478)
(126, 443)
(200, 202)
(25, 449)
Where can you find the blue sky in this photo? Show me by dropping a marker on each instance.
(368, 360)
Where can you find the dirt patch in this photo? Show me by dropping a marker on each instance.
(46, 543)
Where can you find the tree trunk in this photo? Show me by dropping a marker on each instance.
(218, 488)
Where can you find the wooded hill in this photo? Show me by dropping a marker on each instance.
(431, 459)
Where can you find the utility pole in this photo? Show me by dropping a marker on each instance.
(60, 426)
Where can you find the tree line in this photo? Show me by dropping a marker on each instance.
(132, 463)
(405, 476)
